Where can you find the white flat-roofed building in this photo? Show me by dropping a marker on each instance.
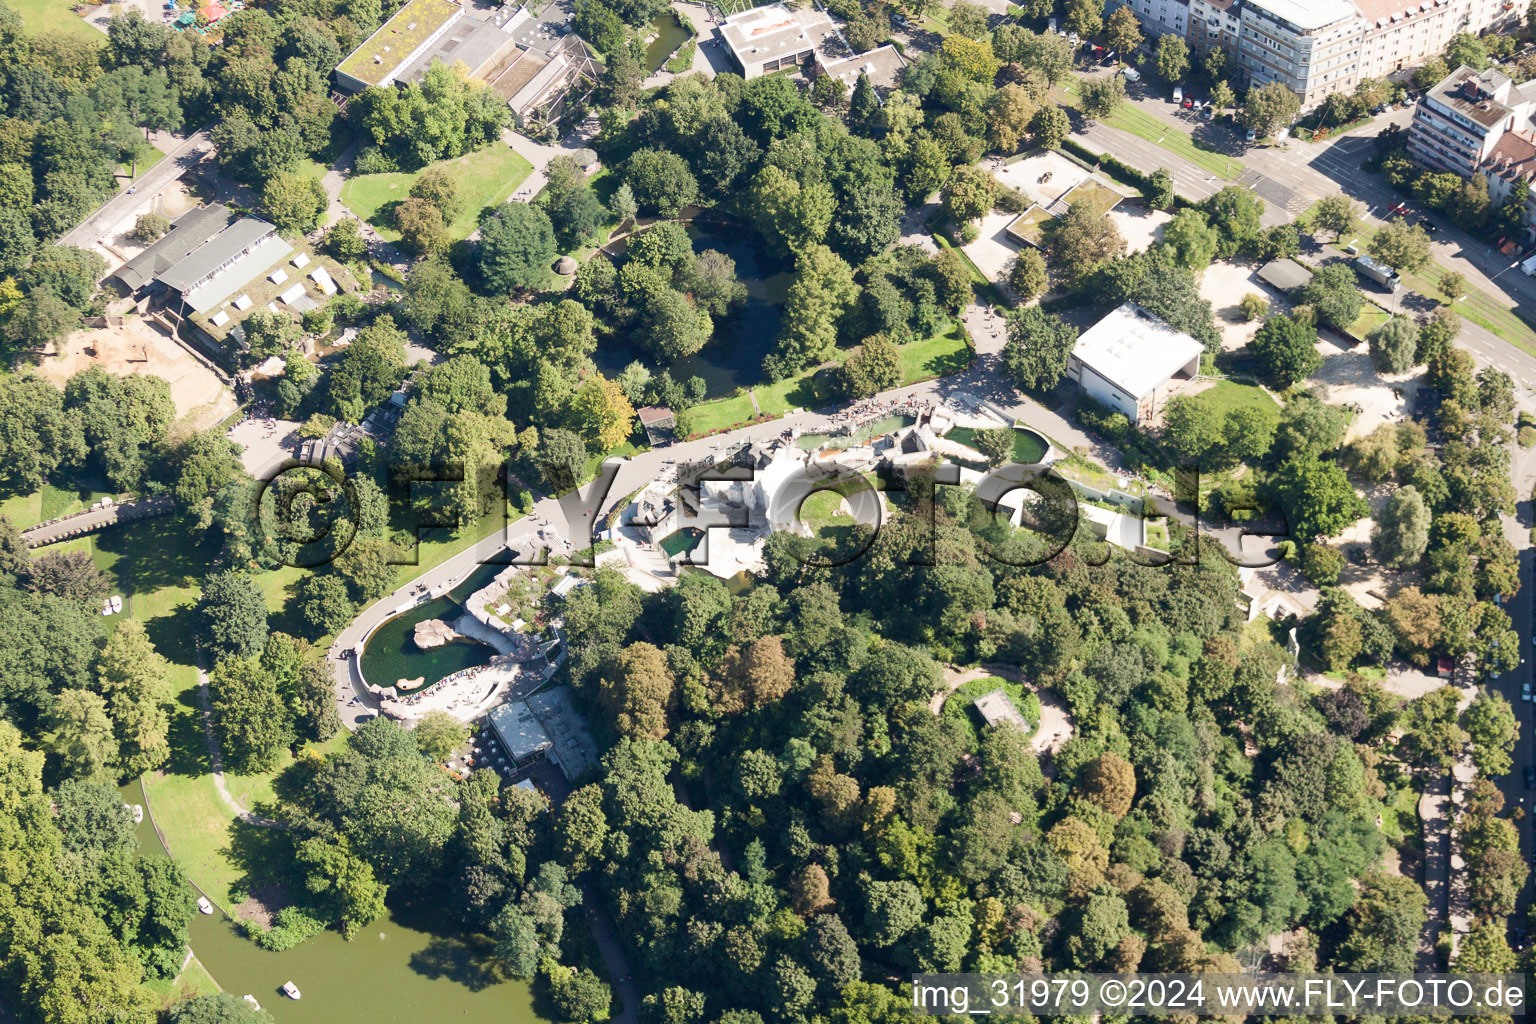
(774, 37)
(1126, 360)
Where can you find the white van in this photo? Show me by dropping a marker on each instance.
(1131, 74)
(1529, 266)
(1178, 94)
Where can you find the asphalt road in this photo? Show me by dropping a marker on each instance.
(176, 163)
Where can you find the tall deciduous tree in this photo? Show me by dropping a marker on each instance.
(232, 612)
(1035, 355)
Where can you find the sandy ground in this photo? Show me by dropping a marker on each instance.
(1348, 379)
(1140, 226)
(201, 399)
(1025, 176)
(264, 447)
(1224, 285)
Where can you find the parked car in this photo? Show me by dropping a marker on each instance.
(1178, 93)
(1530, 777)
(1251, 135)
(1187, 103)
(1209, 113)
(1131, 74)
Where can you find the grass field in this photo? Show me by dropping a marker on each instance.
(1130, 118)
(1228, 396)
(56, 16)
(27, 510)
(486, 178)
(936, 356)
(1371, 317)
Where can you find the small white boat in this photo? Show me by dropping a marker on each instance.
(203, 906)
(252, 1000)
(291, 990)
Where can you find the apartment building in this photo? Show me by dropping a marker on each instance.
(1479, 122)
(1158, 17)
(1399, 34)
(1213, 23)
(1312, 47)
(1319, 47)
(1461, 121)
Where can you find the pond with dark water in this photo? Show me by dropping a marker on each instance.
(733, 357)
(391, 654)
(404, 968)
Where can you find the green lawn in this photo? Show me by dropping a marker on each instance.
(27, 510)
(937, 356)
(486, 178)
(1130, 118)
(56, 16)
(959, 706)
(1371, 317)
(1228, 395)
(148, 155)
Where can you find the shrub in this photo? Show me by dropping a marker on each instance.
(1253, 307)
(1527, 436)
(373, 160)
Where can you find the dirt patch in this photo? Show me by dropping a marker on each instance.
(138, 346)
(263, 903)
(1140, 226)
(1223, 285)
(1348, 379)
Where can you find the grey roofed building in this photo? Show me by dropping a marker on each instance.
(773, 37)
(574, 747)
(475, 43)
(190, 230)
(519, 731)
(216, 254)
(1284, 274)
(997, 709)
(883, 66)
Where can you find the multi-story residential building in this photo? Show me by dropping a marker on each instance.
(1479, 122)
(1320, 47)
(1213, 23)
(1159, 17)
(1310, 46)
(1402, 34)
(1459, 123)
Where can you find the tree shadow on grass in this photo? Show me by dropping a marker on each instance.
(188, 742)
(156, 553)
(263, 857)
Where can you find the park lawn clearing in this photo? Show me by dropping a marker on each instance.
(1371, 317)
(55, 16)
(485, 178)
(194, 980)
(49, 502)
(959, 705)
(1228, 396)
(938, 355)
(708, 417)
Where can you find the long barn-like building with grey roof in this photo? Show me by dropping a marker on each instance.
(207, 256)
